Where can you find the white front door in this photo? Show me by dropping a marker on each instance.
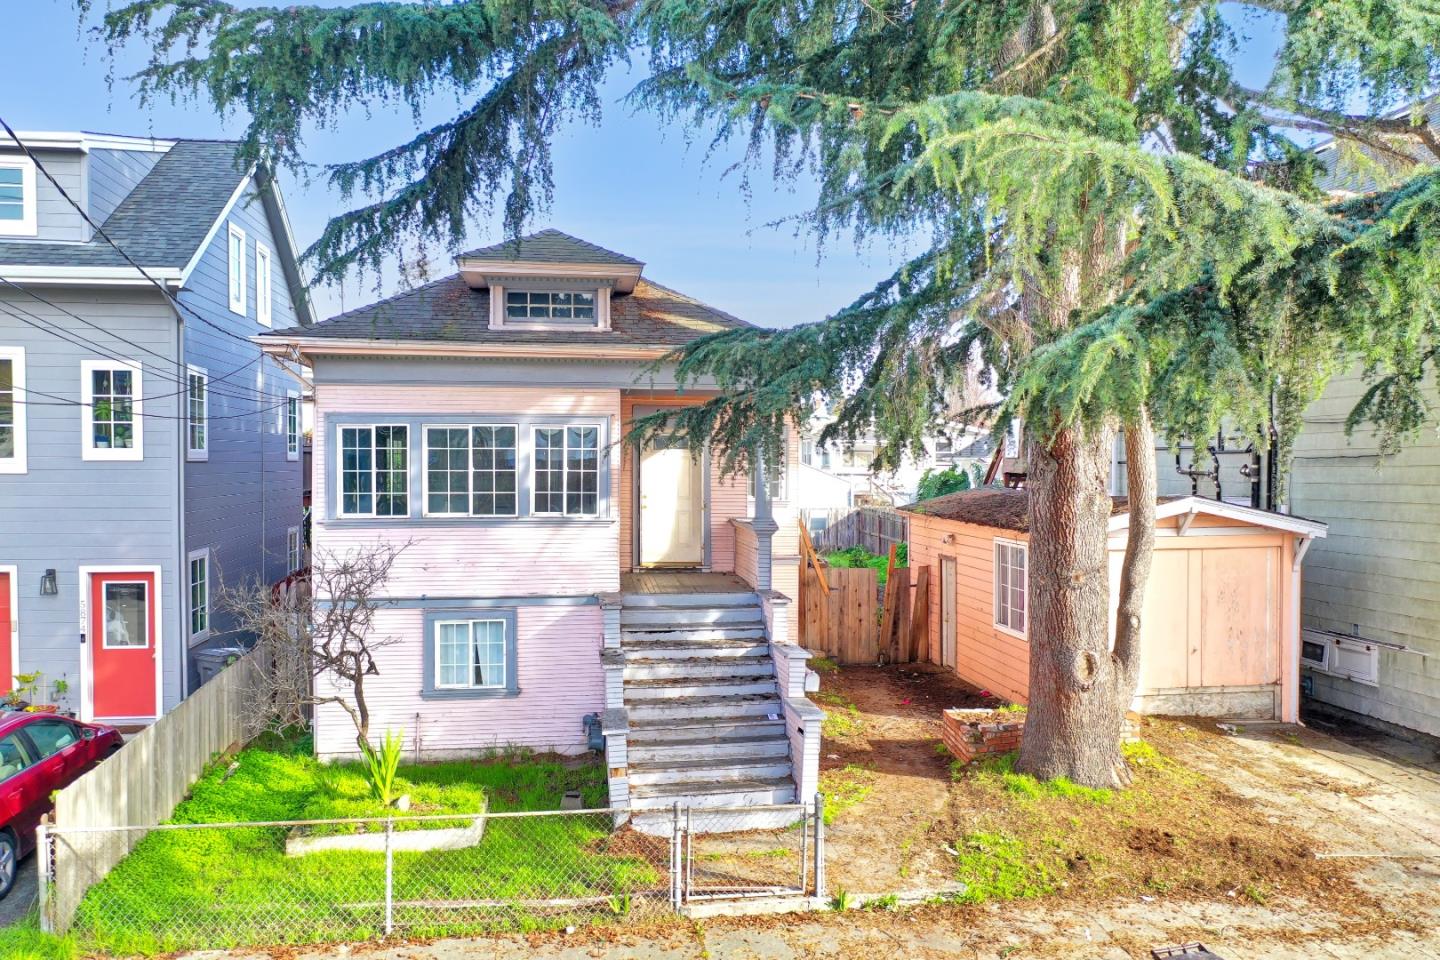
(672, 506)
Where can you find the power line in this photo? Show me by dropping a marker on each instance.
(55, 400)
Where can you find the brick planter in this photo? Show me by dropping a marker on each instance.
(978, 733)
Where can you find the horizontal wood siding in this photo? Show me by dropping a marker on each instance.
(1378, 572)
(456, 558)
(557, 664)
(113, 174)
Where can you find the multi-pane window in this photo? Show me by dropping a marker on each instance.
(294, 550)
(197, 427)
(264, 296)
(112, 410)
(469, 654)
(17, 197)
(292, 427)
(1010, 585)
(470, 471)
(236, 259)
(12, 416)
(543, 305)
(567, 470)
(199, 593)
(375, 471)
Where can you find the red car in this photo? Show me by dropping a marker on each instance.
(39, 754)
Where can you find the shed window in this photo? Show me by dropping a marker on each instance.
(17, 197)
(545, 305)
(567, 471)
(375, 471)
(470, 654)
(1010, 586)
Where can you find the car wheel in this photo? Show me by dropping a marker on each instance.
(9, 863)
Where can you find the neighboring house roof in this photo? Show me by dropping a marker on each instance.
(549, 246)
(161, 223)
(1337, 179)
(449, 310)
(1006, 509)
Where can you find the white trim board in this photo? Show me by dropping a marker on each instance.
(1216, 508)
(225, 211)
(86, 571)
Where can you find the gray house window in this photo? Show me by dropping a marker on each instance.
(567, 471)
(197, 435)
(375, 471)
(470, 653)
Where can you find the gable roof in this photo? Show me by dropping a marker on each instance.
(161, 223)
(548, 246)
(449, 310)
(1007, 509)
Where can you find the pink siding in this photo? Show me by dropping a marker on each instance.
(747, 552)
(542, 557)
(558, 666)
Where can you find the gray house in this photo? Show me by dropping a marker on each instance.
(148, 451)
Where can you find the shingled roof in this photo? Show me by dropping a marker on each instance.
(449, 310)
(1004, 509)
(161, 223)
(549, 246)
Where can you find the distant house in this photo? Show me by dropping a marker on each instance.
(554, 573)
(148, 452)
(851, 464)
(1220, 630)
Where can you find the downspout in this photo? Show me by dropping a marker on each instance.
(182, 591)
(1290, 705)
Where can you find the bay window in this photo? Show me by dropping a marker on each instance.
(567, 471)
(470, 471)
(374, 474)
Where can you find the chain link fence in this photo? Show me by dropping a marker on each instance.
(188, 886)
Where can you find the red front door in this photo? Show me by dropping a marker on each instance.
(122, 645)
(7, 633)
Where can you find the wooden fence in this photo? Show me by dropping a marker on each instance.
(142, 784)
(873, 528)
(843, 615)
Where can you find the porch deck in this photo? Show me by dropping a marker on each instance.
(682, 581)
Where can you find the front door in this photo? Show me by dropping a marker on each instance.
(8, 616)
(947, 611)
(672, 506)
(123, 647)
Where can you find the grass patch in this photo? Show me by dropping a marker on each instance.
(24, 940)
(842, 718)
(1000, 771)
(823, 664)
(845, 788)
(995, 866)
(224, 888)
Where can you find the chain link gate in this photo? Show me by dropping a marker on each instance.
(732, 853)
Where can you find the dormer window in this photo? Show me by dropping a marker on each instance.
(550, 306)
(17, 197)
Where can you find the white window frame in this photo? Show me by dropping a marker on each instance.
(264, 292)
(88, 450)
(1323, 664)
(29, 224)
(203, 554)
(292, 436)
(193, 452)
(236, 286)
(339, 454)
(294, 550)
(565, 469)
(1351, 649)
(17, 462)
(1002, 626)
(470, 622)
(469, 429)
(550, 319)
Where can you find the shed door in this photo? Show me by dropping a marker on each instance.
(1239, 621)
(947, 611)
(123, 648)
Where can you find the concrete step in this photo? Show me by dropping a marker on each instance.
(681, 617)
(695, 650)
(631, 600)
(671, 688)
(669, 730)
(722, 770)
(743, 743)
(660, 634)
(712, 793)
(696, 668)
(695, 709)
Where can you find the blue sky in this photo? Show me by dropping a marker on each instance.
(629, 184)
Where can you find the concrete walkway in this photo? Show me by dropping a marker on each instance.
(1375, 805)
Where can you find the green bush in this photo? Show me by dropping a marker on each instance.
(853, 557)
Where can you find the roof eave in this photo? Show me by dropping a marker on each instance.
(1231, 511)
(91, 276)
(281, 344)
(477, 272)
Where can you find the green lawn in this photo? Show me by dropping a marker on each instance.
(188, 889)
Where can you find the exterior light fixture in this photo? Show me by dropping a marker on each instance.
(48, 587)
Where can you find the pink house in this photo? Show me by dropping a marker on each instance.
(560, 587)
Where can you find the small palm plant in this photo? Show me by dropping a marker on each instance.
(382, 765)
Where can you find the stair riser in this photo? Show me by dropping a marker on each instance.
(666, 753)
(632, 601)
(677, 730)
(698, 688)
(749, 771)
(697, 669)
(742, 798)
(643, 710)
(699, 617)
(693, 635)
(699, 651)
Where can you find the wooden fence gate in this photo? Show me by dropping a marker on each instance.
(843, 615)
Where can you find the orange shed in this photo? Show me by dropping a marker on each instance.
(1220, 634)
